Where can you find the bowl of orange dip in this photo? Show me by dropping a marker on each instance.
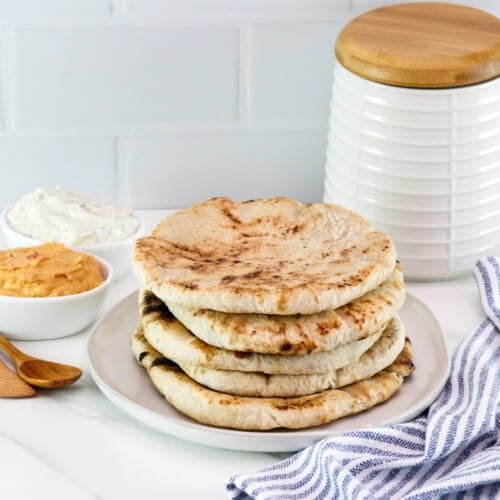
(50, 291)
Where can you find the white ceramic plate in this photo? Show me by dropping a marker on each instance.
(127, 385)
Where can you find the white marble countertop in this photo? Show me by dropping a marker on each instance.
(74, 444)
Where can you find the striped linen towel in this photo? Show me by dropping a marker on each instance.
(452, 452)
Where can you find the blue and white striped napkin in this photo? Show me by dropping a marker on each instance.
(452, 452)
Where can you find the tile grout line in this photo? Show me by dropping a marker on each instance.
(116, 8)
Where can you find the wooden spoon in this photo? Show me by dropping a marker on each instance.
(39, 372)
(11, 386)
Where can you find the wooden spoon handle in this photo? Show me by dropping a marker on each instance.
(11, 386)
(14, 353)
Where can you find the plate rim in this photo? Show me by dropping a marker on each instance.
(286, 440)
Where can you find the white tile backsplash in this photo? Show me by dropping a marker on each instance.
(29, 9)
(247, 9)
(82, 164)
(291, 70)
(124, 77)
(161, 103)
(175, 170)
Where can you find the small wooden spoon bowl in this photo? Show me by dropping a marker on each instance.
(39, 372)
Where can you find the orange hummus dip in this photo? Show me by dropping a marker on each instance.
(47, 270)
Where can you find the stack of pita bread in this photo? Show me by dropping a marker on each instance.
(270, 314)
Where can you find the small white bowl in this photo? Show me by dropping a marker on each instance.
(117, 253)
(41, 318)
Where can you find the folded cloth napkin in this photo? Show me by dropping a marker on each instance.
(452, 452)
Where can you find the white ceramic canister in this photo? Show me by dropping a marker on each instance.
(417, 153)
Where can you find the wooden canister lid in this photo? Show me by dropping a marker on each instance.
(422, 45)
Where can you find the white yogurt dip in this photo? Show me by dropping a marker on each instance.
(71, 218)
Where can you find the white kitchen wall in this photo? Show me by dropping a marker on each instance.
(161, 103)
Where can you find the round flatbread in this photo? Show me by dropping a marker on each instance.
(297, 334)
(269, 256)
(245, 413)
(255, 384)
(171, 338)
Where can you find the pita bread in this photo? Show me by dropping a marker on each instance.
(269, 256)
(173, 340)
(244, 413)
(293, 335)
(378, 357)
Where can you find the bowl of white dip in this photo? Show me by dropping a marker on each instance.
(77, 220)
